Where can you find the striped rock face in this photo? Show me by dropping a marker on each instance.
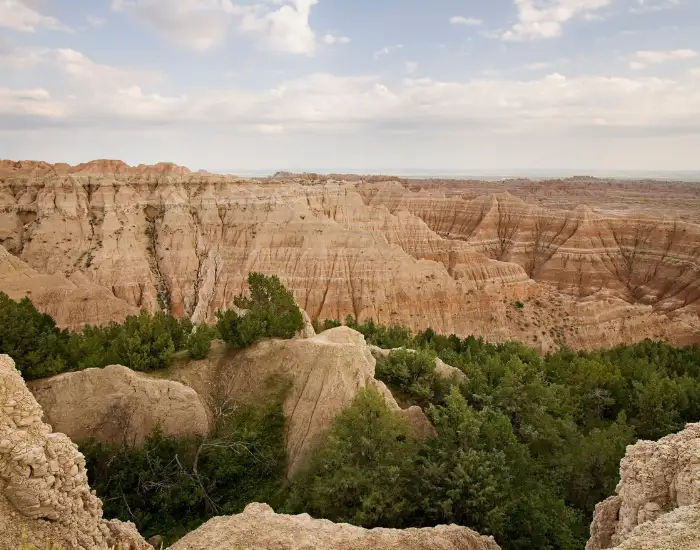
(594, 265)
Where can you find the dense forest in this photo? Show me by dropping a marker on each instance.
(523, 449)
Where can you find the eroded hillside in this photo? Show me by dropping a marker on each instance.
(417, 254)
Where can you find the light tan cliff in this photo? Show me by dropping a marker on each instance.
(73, 301)
(259, 528)
(162, 237)
(655, 479)
(118, 405)
(44, 492)
(320, 377)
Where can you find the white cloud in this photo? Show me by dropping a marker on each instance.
(95, 21)
(331, 39)
(34, 103)
(540, 19)
(650, 6)
(411, 67)
(387, 51)
(86, 91)
(18, 16)
(469, 21)
(644, 58)
(278, 25)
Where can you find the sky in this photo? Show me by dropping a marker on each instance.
(402, 86)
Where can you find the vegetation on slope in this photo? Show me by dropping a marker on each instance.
(524, 449)
(143, 342)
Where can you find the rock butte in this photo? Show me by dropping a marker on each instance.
(259, 528)
(116, 404)
(320, 376)
(657, 502)
(594, 263)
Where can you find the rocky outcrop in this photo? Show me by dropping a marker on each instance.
(72, 302)
(44, 492)
(319, 377)
(650, 257)
(416, 253)
(677, 530)
(655, 478)
(118, 405)
(259, 528)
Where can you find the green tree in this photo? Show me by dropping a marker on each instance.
(360, 473)
(411, 375)
(270, 312)
(144, 342)
(199, 342)
(31, 338)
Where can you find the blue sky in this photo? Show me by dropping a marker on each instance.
(458, 86)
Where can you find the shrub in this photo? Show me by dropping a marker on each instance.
(270, 313)
(199, 342)
(170, 486)
(145, 342)
(411, 375)
(31, 338)
(360, 472)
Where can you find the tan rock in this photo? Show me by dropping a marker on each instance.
(321, 376)
(677, 530)
(72, 302)
(656, 477)
(44, 492)
(259, 528)
(116, 404)
(424, 254)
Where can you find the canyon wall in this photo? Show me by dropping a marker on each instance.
(164, 238)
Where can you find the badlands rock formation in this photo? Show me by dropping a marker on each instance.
(44, 492)
(417, 253)
(319, 376)
(74, 300)
(116, 404)
(259, 528)
(656, 478)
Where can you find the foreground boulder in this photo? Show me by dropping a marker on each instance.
(118, 405)
(259, 528)
(656, 478)
(44, 491)
(319, 377)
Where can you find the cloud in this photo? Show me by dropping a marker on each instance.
(469, 21)
(36, 102)
(387, 51)
(331, 39)
(411, 67)
(541, 19)
(95, 21)
(83, 91)
(651, 6)
(644, 58)
(277, 25)
(18, 16)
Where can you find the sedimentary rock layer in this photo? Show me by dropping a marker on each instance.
(656, 477)
(44, 491)
(394, 251)
(118, 405)
(259, 528)
(317, 377)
